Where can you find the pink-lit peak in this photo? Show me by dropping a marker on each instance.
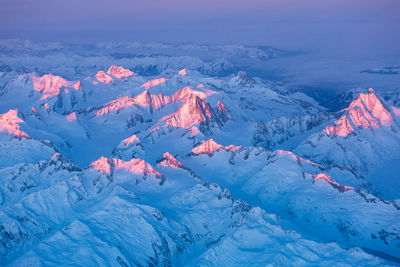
(102, 77)
(153, 83)
(170, 161)
(193, 111)
(183, 72)
(145, 99)
(119, 72)
(364, 112)
(325, 177)
(194, 130)
(103, 165)
(131, 139)
(134, 166)
(46, 106)
(9, 122)
(210, 147)
(71, 117)
(49, 85)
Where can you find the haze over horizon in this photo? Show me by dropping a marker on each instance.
(363, 27)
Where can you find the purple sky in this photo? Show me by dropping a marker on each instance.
(357, 25)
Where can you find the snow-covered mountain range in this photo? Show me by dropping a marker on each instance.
(114, 155)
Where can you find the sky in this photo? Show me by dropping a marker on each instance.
(282, 23)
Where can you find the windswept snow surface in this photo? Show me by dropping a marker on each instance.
(170, 155)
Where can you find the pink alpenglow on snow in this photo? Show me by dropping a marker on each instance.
(170, 161)
(102, 165)
(119, 72)
(145, 99)
(120, 103)
(50, 85)
(396, 111)
(194, 130)
(55, 156)
(210, 147)
(364, 112)
(34, 109)
(46, 106)
(342, 127)
(131, 139)
(71, 117)
(185, 93)
(153, 83)
(134, 166)
(183, 72)
(102, 77)
(9, 122)
(193, 111)
(325, 177)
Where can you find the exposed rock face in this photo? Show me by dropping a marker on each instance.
(272, 134)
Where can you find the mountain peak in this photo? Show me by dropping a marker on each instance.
(193, 111)
(102, 77)
(183, 72)
(49, 85)
(119, 72)
(366, 111)
(170, 161)
(134, 166)
(244, 79)
(210, 147)
(145, 99)
(102, 165)
(9, 122)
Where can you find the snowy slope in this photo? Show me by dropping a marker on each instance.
(130, 217)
